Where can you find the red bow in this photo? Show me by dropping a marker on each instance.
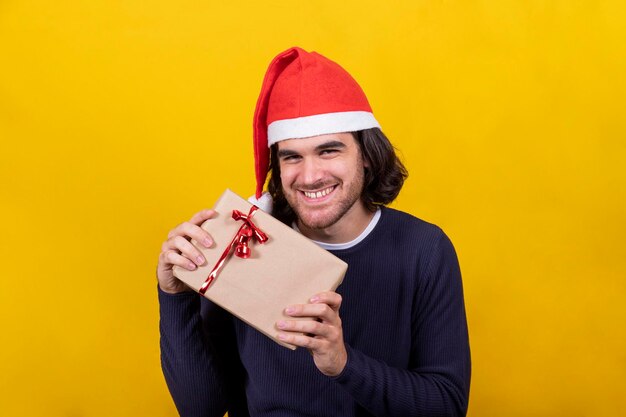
(247, 231)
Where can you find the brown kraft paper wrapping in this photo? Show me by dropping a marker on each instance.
(287, 269)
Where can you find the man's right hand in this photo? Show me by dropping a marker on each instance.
(178, 250)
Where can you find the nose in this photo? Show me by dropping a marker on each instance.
(312, 171)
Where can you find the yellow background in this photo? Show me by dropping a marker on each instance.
(118, 120)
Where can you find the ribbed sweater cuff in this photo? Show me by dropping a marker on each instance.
(350, 374)
(178, 308)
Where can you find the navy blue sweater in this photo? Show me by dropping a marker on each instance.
(404, 327)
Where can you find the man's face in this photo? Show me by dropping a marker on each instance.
(322, 177)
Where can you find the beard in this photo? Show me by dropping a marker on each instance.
(317, 218)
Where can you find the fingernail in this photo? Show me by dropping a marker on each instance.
(289, 310)
(200, 259)
(207, 242)
(191, 265)
(281, 324)
(282, 336)
(315, 299)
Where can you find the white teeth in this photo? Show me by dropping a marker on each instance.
(319, 194)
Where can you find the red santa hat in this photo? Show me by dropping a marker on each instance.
(305, 94)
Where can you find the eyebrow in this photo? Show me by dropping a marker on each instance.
(286, 152)
(333, 144)
(330, 144)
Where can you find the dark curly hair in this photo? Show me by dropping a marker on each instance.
(383, 180)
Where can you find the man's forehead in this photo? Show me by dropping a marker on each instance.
(345, 138)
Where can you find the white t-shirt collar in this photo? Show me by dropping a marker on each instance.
(353, 242)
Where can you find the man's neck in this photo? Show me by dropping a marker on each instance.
(349, 227)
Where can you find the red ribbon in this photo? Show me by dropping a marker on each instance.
(247, 231)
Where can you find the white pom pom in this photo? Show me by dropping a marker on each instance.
(265, 202)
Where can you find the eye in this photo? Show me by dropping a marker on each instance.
(329, 152)
(290, 158)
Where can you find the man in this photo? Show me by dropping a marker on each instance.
(392, 341)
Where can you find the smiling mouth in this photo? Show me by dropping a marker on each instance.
(318, 194)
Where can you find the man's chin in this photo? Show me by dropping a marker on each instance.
(317, 222)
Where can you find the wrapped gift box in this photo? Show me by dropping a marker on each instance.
(287, 269)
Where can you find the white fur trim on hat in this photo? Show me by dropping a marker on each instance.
(320, 124)
(264, 202)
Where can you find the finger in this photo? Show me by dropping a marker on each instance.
(321, 311)
(328, 297)
(193, 231)
(309, 327)
(201, 216)
(302, 341)
(188, 250)
(172, 258)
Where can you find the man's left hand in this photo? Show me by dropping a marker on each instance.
(323, 335)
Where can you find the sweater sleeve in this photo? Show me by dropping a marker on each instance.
(437, 380)
(188, 359)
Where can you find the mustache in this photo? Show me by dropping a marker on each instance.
(318, 185)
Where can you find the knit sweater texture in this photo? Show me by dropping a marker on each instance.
(404, 327)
